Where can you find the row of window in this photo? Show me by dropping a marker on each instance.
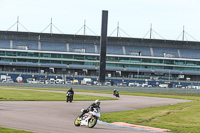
(97, 64)
(124, 61)
(96, 58)
(48, 55)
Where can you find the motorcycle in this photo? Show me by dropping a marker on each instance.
(69, 97)
(88, 119)
(116, 93)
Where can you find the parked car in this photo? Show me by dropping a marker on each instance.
(8, 81)
(86, 81)
(163, 85)
(144, 85)
(75, 82)
(60, 81)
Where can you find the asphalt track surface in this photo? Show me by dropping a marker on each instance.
(59, 116)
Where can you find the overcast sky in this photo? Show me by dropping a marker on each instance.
(134, 16)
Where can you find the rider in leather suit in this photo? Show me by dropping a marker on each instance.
(96, 104)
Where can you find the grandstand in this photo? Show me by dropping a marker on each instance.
(126, 57)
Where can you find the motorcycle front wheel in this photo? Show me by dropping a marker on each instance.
(92, 122)
(70, 99)
(77, 121)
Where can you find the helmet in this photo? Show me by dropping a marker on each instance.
(97, 102)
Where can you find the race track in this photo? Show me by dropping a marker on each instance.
(58, 116)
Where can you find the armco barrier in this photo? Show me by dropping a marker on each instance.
(108, 88)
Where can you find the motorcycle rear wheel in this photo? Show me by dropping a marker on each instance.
(92, 122)
(70, 99)
(77, 121)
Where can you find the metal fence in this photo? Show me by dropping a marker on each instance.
(107, 88)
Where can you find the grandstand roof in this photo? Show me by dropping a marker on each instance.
(96, 39)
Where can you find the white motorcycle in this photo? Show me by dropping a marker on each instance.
(88, 119)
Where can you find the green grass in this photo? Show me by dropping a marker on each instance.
(28, 95)
(179, 118)
(8, 130)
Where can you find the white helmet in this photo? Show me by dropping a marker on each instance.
(82, 110)
(97, 102)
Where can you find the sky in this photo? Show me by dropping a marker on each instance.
(133, 17)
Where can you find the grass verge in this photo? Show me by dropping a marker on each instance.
(28, 95)
(179, 118)
(9, 130)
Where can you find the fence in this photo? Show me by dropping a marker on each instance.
(107, 88)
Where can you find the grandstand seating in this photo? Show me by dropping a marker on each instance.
(4, 43)
(81, 47)
(81, 66)
(131, 69)
(114, 49)
(20, 44)
(114, 68)
(53, 65)
(174, 71)
(145, 70)
(161, 70)
(159, 52)
(190, 72)
(111, 49)
(53, 46)
(4, 63)
(145, 51)
(24, 64)
(190, 53)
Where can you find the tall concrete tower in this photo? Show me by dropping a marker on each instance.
(102, 68)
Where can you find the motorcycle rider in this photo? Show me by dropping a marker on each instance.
(114, 92)
(71, 91)
(96, 104)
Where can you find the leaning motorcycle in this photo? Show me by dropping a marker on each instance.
(117, 94)
(69, 97)
(88, 119)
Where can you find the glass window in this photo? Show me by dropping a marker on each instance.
(192, 63)
(32, 60)
(8, 59)
(45, 61)
(2, 53)
(32, 54)
(88, 63)
(157, 61)
(79, 57)
(91, 57)
(22, 60)
(55, 55)
(67, 62)
(168, 61)
(10, 53)
(56, 62)
(45, 55)
(112, 59)
(22, 54)
(68, 56)
(147, 60)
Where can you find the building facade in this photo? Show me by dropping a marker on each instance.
(79, 54)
